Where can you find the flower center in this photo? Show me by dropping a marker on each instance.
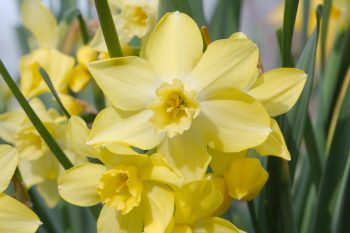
(175, 108)
(120, 188)
(140, 16)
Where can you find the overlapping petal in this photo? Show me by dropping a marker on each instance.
(215, 224)
(8, 164)
(10, 123)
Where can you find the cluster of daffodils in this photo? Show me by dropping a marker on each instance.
(180, 138)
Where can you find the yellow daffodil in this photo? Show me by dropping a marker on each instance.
(135, 18)
(183, 99)
(37, 164)
(14, 216)
(195, 204)
(43, 26)
(133, 188)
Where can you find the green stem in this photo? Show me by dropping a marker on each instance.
(44, 133)
(108, 28)
(83, 29)
(48, 82)
(254, 219)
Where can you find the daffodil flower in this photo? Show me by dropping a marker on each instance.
(37, 164)
(14, 216)
(195, 204)
(43, 26)
(184, 99)
(132, 18)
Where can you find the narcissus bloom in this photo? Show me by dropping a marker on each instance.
(182, 99)
(14, 216)
(195, 205)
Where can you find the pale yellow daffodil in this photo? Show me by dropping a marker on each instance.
(195, 204)
(43, 26)
(132, 18)
(183, 100)
(14, 216)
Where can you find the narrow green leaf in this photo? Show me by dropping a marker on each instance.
(174, 5)
(108, 28)
(306, 23)
(253, 217)
(198, 12)
(324, 29)
(45, 134)
(48, 82)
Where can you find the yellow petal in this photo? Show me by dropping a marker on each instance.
(128, 82)
(228, 63)
(187, 153)
(98, 42)
(158, 170)
(56, 64)
(245, 178)
(49, 192)
(16, 217)
(40, 22)
(279, 89)
(196, 200)
(109, 127)
(215, 224)
(274, 144)
(220, 184)
(78, 134)
(181, 228)
(112, 221)
(233, 121)
(8, 164)
(174, 46)
(136, 160)
(78, 184)
(158, 201)
(79, 78)
(85, 55)
(220, 161)
(74, 106)
(10, 123)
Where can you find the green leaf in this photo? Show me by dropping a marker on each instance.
(324, 29)
(174, 5)
(108, 28)
(226, 19)
(48, 82)
(44, 133)
(198, 12)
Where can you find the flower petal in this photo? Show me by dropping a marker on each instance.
(174, 46)
(78, 184)
(112, 221)
(187, 153)
(48, 190)
(16, 217)
(228, 63)
(78, 134)
(136, 130)
(196, 200)
(128, 82)
(215, 224)
(232, 121)
(8, 164)
(40, 22)
(158, 202)
(274, 144)
(10, 123)
(220, 161)
(279, 89)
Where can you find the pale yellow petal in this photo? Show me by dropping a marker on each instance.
(220, 161)
(227, 63)
(40, 22)
(233, 121)
(158, 203)
(220, 184)
(245, 178)
(279, 89)
(129, 82)
(142, 134)
(110, 158)
(79, 78)
(74, 106)
(112, 221)
(174, 46)
(274, 144)
(16, 217)
(196, 200)
(10, 123)
(8, 164)
(187, 153)
(77, 135)
(158, 170)
(49, 192)
(215, 224)
(78, 184)
(98, 42)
